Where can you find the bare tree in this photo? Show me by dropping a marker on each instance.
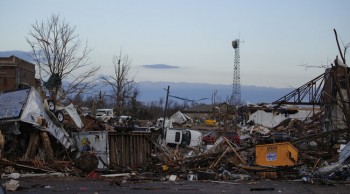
(57, 53)
(123, 86)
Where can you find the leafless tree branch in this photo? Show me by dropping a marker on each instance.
(56, 50)
(122, 85)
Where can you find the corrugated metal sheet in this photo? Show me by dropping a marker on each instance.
(129, 148)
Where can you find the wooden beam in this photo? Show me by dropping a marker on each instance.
(32, 146)
(234, 150)
(47, 146)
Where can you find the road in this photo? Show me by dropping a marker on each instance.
(44, 185)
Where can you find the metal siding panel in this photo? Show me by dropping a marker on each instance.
(129, 149)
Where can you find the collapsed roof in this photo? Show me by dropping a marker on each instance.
(27, 106)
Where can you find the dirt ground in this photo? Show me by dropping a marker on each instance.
(56, 185)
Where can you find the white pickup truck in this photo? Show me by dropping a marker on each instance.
(183, 137)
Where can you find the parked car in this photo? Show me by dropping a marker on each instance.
(211, 137)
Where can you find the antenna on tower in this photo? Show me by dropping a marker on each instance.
(236, 86)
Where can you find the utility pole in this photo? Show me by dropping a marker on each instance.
(165, 112)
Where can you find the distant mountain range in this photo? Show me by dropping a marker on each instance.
(20, 54)
(154, 91)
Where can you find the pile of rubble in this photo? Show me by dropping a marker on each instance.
(222, 161)
(294, 149)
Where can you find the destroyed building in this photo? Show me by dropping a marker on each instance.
(30, 130)
(270, 116)
(199, 111)
(217, 113)
(21, 118)
(16, 73)
(335, 97)
(330, 92)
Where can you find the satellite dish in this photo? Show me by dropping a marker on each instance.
(235, 44)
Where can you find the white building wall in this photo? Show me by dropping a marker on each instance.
(272, 119)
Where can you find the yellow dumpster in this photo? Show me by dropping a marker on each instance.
(277, 154)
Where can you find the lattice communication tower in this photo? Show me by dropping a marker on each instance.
(236, 87)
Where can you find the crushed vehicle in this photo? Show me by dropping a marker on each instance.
(183, 137)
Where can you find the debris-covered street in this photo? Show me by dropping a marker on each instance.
(105, 185)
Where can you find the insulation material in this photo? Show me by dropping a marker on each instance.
(70, 109)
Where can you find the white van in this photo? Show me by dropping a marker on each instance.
(104, 114)
(173, 137)
(184, 137)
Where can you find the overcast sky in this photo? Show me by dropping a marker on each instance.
(193, 37)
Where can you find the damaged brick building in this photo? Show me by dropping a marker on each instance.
(16, 73)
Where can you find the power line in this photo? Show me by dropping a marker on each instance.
(185, 99)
